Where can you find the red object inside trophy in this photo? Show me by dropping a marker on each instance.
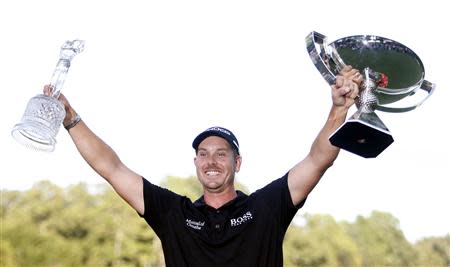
(384, 80)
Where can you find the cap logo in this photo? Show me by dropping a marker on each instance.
(219, 130)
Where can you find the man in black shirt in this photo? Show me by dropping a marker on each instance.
(224, 227)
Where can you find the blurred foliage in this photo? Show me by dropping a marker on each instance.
(49, 226)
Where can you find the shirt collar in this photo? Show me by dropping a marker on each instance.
(199, 203)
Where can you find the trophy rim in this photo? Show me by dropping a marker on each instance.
(35, 132)
(27, 135)
(387, 90)
(328, 62)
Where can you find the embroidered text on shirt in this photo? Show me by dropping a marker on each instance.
(239, 220)
(194, 224)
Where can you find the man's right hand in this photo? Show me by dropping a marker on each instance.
(70, 112)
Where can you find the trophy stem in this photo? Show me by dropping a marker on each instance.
(364, 133)
(367, 101)
(68, 51)
(59, 77)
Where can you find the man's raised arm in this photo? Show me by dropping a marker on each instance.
(304, 176)
(103, 159)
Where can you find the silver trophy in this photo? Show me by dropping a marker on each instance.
(44, 114)
(391, 72)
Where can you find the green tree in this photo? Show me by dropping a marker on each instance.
(320, 242)
(7, 257)
(9, 200)
(434, 251)
(122, 237)
(26, 225)
(381, 242)
(49, 226)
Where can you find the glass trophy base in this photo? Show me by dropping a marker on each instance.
(40, 123)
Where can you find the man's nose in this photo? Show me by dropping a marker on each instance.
(211, 159)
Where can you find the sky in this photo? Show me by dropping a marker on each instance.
(154, 74)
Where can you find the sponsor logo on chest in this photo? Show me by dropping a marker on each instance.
(197, 225)
(240, 220)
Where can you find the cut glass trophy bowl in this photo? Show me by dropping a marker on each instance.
(44, 114)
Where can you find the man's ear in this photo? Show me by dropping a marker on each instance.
(238, 162)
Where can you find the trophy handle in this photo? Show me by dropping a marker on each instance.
(426, 86)
(324, 56)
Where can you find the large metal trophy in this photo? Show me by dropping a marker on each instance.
(391, 72)
(44, 115)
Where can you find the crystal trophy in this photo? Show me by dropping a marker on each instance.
(391, 71)
(44, 114)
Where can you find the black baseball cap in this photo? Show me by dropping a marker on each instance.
(220, 132)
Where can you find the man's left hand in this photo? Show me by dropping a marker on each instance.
(346, 88)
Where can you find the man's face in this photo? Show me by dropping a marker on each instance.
(216, 164)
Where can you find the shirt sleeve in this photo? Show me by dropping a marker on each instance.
(158, 203)
(277, 198)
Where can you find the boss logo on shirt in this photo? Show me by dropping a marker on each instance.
(197, 225)
(239, 220)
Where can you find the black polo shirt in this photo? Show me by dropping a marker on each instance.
(247, 231)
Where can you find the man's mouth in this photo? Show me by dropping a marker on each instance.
(212, 173)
